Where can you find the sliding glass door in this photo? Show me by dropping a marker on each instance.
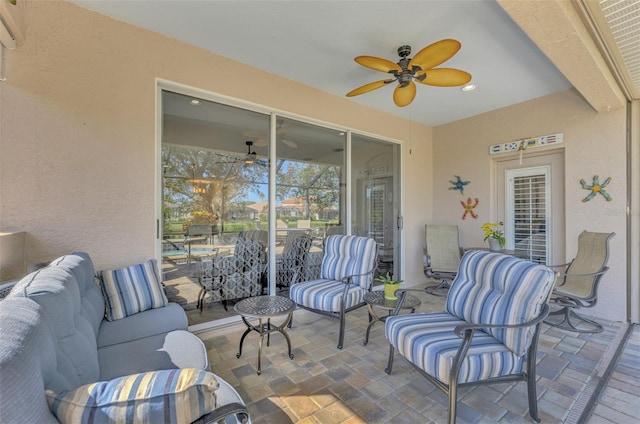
(248, 198)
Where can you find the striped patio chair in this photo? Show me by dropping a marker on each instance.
(488, 332)
(346, 275)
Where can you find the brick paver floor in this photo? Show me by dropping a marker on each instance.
(323, 384)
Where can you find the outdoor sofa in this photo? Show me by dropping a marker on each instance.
(67, 355)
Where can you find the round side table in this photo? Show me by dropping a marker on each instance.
(375, 299)
(265, 308)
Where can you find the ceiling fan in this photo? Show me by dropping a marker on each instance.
(250, 157)
(421, 68)
(262, 137)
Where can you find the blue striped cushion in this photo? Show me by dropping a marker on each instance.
(491, 288)
(166, 396)
(349, 255)
(130, 290)
(325, 295)
(429, 342)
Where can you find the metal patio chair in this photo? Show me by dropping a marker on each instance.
(442, 255)
(488, 332)
(578, 285)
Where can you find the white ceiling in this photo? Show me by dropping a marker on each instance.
(314, 42)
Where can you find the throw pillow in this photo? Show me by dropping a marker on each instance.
(165, 396)
(130, 290)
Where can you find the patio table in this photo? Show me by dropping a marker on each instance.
(261, 308)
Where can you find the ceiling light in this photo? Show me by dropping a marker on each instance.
(195, 102)
(469, 87)
(250, 157)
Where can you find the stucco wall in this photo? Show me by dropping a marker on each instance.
(594, 144)
(77, 132)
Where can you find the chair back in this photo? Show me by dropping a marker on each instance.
(591, 258)
(442, 247)
(257, 235)
(350, 255)
(492, 288)
(297, 245)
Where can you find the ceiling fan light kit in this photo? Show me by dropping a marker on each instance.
(250, 157)
(421, 68)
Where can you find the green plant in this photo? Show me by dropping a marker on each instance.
(388, 279)
(492, 230)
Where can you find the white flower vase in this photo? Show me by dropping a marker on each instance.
(494, 245)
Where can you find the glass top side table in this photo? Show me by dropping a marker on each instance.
(264, 308)
(375, 299)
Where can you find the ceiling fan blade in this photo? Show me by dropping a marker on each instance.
(378, 64)
(261, 142)
(435, 54)
(445, 77)
(369, 87)
(402, 96)
(290, 143)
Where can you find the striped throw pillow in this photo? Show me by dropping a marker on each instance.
(130, 290)
(166, 396)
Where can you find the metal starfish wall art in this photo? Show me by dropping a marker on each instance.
(596, 188)
(458, 184)
(469, 207)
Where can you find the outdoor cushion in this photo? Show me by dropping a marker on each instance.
(176, 349)
(349, 255)
(429, 342)
(165, 396)
(130, 290)
(326, 295)
(143, 324)
(491, 288)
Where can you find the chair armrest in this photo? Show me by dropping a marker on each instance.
(347, 278)
(592, 274)
(426, 258)
(219, 414)
(463, 329)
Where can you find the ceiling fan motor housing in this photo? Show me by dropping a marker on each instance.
(404, 51)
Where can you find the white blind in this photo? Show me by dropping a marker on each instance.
(530, 216)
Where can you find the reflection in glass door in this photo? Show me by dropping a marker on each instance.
(375, 206)
(248, 198)
(215, 218)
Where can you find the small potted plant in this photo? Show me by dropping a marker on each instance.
(494, 234)
(390, 286)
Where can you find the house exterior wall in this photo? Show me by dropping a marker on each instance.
(77, 133)
(594, 144)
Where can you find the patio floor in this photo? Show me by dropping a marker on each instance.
(325, 385)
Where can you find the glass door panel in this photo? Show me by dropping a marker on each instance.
(309, 197)
(216, 165)
(375, 206)
(215, 171)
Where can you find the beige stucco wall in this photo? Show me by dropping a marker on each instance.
(77, 132)
(594, 144)
(12, 259)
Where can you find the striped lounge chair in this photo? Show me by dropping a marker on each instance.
(346, 275)
(488, 332)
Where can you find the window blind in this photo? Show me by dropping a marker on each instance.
(530, 216)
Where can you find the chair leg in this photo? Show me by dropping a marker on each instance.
(453, 401)
(201, 296)
(532, 391)
(571, 325)
(342, 324)
(390, 362)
